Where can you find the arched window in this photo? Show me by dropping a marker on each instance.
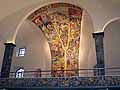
(19, 73)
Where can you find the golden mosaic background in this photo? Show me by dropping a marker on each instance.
(61, 25)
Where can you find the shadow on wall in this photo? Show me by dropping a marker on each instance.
(87, 45)
(112, 45)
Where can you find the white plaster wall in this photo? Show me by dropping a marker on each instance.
(112, 46)
(37, 49)
(87, 46)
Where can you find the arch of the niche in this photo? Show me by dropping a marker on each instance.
(36, 8)
(109, 22)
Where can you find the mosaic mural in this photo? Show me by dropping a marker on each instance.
(61, 25)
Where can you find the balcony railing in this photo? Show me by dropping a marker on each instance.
(114, 71)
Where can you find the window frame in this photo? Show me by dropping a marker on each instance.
(21, 52)
(19, 74)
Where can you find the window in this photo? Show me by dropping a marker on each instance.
(21, 52)
(19, 73)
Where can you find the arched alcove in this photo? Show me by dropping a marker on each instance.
(37, 54)
(66, 28)
(111, 45)
(31, 35)
(61, 25)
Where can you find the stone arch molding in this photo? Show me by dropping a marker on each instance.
(111, 44)
(109, 22)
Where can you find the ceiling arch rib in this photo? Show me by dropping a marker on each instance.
(61, 25)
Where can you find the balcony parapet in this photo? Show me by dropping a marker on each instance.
(61, 82)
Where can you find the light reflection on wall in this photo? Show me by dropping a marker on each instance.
(87, 56)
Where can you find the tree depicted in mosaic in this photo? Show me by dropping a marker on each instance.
(61, 24)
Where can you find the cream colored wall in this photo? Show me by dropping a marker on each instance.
(37, 49)
(112, 45)
(87, 50)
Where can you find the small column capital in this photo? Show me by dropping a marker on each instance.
(11, 44)
(95, 35)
